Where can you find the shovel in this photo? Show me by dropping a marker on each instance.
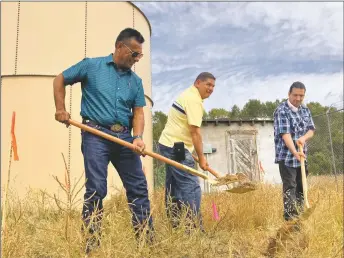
(149, 153)
(309, 209)
(235, 183)
(304, 179)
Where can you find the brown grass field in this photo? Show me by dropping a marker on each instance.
(248, 222)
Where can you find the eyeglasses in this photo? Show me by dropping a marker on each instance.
(134, 54)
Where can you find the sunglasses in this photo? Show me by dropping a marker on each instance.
(134, 54)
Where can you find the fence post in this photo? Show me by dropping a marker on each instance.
(331, 145)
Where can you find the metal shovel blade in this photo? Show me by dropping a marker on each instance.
(242, 187)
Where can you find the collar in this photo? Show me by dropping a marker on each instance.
(109, 60)
(293, 108)
(196, 92)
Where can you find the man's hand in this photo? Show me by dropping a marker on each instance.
(62, 116)
(139, 146)
(298, 155)
(301, 141)
(203, 162)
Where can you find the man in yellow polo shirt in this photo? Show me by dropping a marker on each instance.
(180, 137)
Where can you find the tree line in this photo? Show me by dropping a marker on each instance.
(320, 151)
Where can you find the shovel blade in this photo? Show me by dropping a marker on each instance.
(242, 187)
(308, 212)
(240, 190)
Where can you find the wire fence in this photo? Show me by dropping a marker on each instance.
(325, 149)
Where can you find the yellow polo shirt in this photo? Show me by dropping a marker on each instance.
(186, 110)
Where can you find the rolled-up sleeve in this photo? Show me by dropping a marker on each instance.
(76, 73)
(140, 96)
(281, 122)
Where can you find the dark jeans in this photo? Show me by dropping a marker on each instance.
(98, 152)
(182, 190)
(292, 190)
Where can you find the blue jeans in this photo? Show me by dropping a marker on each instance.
(181, 189)
(98, 152)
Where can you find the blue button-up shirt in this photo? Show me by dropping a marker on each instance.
(296, 124)
(108, 95)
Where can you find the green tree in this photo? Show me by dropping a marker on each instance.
(270, 108)
(205, 115)
(235, 112)
(253, 109)
(159, 122)
(217, 113)
(319, 163)
(316, 108)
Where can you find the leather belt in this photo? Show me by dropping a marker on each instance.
(117, 128)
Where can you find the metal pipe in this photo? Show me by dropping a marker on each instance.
(331, 145)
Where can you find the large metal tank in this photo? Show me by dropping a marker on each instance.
(40, 40)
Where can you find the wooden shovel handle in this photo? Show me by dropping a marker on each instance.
(132, 147)
(216, 174)
(304, 178)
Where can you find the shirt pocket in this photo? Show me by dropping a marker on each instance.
(123, 94)
(130, 96)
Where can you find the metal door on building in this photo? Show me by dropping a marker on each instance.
(241, 146)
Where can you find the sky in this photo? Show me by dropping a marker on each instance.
(255, 50)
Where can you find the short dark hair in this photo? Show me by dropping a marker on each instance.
(297, 85)
(205, 75)
(128, 33)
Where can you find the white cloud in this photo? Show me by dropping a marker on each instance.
(256, 50)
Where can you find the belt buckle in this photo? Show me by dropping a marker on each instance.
(116, 128)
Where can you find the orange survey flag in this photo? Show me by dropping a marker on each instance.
(14, 142)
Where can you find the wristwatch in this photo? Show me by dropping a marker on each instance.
(137, 136)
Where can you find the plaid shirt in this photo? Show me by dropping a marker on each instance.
(296, 124)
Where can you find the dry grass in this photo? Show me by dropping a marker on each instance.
(36, 228)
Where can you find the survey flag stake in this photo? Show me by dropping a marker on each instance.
(14, 141)
(215, 213)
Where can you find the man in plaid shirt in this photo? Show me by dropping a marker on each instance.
(293, 125)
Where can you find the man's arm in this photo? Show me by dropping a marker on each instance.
(194, 111)
(289, 142)
(303, 139)
(198, 144)
(310, 133)
(138, 127)
(138, 121)
(61, 114)
(73, 74)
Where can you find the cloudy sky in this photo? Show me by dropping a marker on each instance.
(256, 50)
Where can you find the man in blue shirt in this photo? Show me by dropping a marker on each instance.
(293, 125)
(112, 102)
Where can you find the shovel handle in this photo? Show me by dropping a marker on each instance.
(212, 171)
(132, 147)
(304, 178)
